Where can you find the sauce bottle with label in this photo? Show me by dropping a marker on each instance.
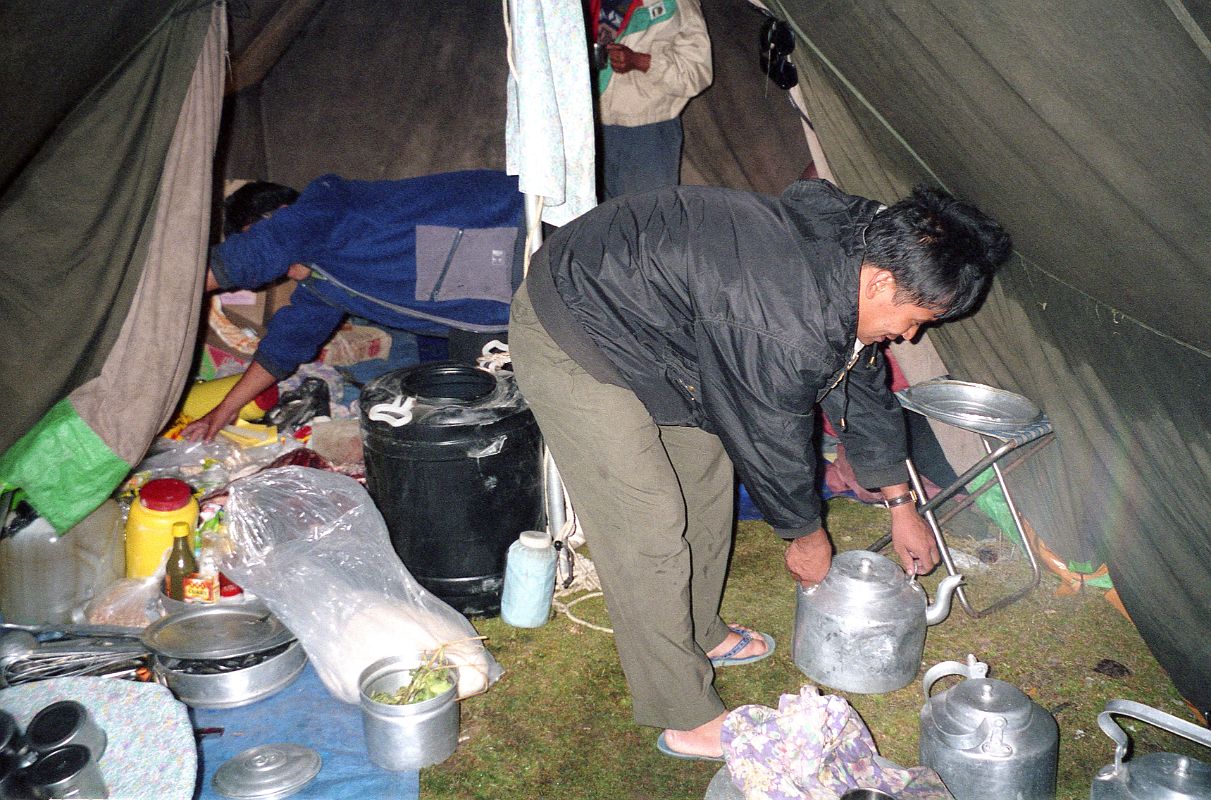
(181, 563)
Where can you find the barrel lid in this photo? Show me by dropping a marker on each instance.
(267, 772)
(440, 397)
(539, 540)
(165, 494)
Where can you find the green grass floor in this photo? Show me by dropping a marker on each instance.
(558, 723)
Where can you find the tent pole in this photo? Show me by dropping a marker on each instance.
(553, 485)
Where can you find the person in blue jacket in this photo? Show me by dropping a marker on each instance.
(423, 255)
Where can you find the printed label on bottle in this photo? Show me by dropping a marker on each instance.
(201, 589)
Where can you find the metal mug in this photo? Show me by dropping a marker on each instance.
(65, 723)
(67, 772)
(867, 794)
(14, 748)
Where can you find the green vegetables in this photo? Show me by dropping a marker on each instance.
(423, 683)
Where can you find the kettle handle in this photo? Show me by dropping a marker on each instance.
(1130, 708)
(971, 668)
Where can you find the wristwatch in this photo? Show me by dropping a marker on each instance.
(900, 500)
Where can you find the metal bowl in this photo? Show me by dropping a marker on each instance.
(972, 406)
(273, 671)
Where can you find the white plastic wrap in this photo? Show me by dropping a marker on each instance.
(313, 546)
(205, 466)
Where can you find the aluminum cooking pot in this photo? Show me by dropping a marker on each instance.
(862, 629)
(1155, 776)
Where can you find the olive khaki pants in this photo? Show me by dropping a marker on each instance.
(656, 506)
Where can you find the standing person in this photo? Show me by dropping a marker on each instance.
(658, 57)
(425, 255)
(664, 338)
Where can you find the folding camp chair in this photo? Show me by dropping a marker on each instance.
(994, 414)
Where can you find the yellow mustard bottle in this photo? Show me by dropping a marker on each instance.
(159, 504)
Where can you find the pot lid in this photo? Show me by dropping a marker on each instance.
(1169, 775)
(969, 704)
(861, 570)
(267, 772)
(215, 632)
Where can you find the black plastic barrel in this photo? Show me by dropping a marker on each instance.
(458, 481)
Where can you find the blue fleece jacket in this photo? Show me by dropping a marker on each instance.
(360, 238)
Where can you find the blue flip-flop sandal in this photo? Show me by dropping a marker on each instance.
(663, 747)
(729, 659)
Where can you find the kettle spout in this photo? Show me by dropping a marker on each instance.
(939, 609)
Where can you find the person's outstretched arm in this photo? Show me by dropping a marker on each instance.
(254, 381)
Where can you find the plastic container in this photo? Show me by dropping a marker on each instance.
(45, 575)
(529, 581)
(454, 464)
(149, 525)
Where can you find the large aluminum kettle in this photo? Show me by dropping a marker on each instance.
(862, 629)
(1155, 776)
(985, 738)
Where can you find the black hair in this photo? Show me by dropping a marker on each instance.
(254, 202)
(941, 251)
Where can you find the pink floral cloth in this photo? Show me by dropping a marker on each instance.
(814, 747)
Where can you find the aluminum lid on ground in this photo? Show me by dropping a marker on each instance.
(213, 632)
(267, 772)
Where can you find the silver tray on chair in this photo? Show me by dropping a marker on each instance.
(973, 406)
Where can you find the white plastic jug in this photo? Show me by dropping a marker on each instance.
(44, 576)
(529, 580)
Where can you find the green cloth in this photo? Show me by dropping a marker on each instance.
(63, 467)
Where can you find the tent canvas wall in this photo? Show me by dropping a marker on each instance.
(104, 225)
(1082, 126)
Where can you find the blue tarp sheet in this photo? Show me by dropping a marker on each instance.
(303, 713)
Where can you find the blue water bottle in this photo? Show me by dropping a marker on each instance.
(529, 580)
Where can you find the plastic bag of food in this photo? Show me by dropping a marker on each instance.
(313, 546)
(129, 602)
(206, 466)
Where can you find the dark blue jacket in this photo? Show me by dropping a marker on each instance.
(361, 240)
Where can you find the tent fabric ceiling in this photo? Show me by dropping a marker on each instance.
(50, 61)
(1084, 127)
(984, 91)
